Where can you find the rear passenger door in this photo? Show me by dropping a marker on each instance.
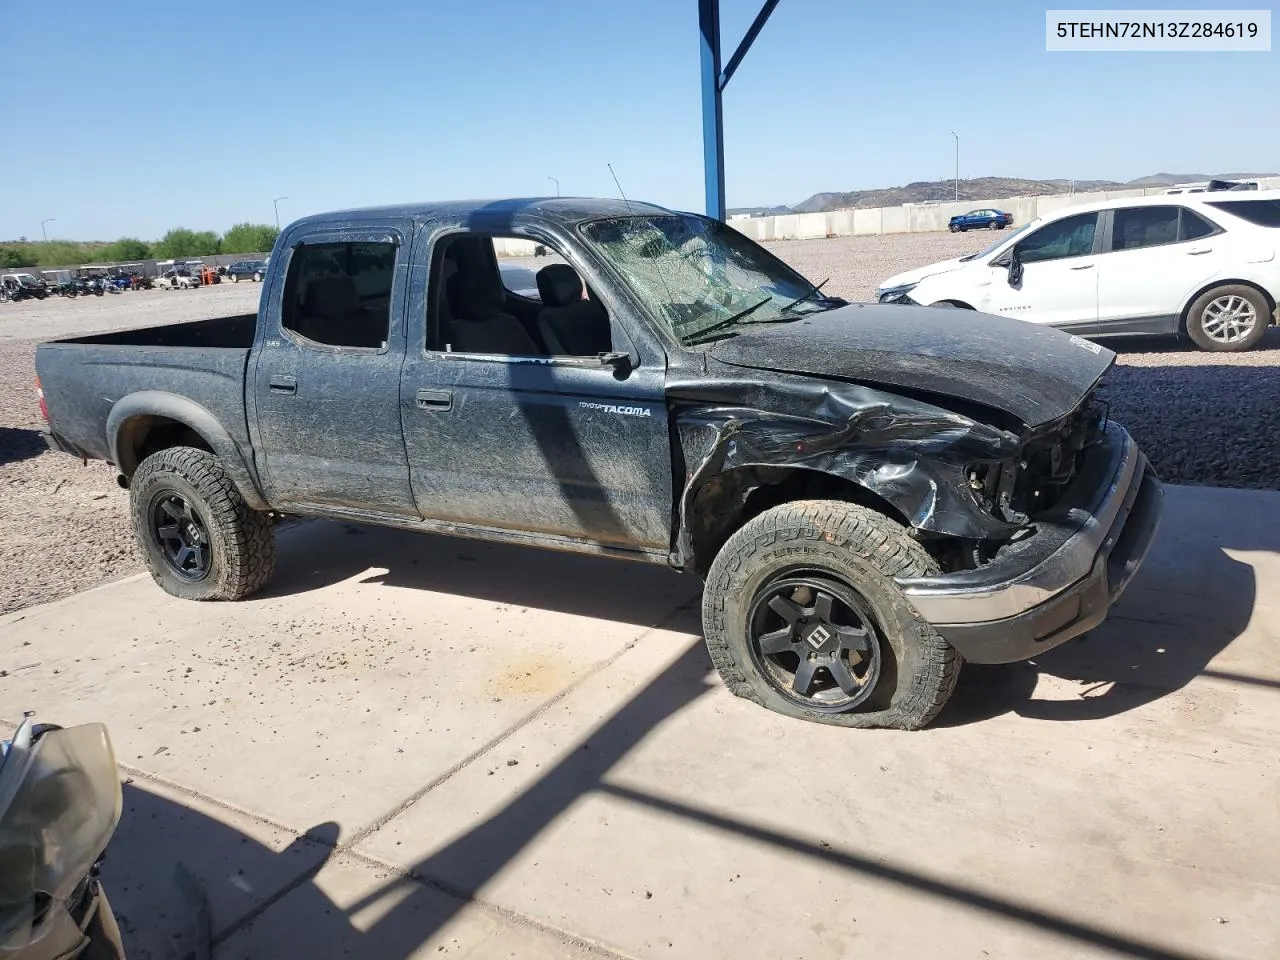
(547, 446)
(326, 381)
(1157, 257)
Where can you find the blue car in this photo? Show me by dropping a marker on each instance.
(985, 219)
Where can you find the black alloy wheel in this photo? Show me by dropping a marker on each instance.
(182, 535)
(815, 640)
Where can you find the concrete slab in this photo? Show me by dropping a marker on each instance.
(356, 909)
(573, 769)
(234, 865)
(684, 823)
(376, 662)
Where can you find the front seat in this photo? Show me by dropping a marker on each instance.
(570, 326)
(479, 324)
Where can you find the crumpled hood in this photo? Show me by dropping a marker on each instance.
(919, 273)
(1031, 372)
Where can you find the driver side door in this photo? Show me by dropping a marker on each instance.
(1058, 285)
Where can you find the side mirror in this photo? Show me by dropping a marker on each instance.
(619, 361)
(1015, 269)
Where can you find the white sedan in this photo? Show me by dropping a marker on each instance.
(1204, 265)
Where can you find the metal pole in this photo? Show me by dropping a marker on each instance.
(712, 108)
(276, 204)
(557, 183)
(44, 233)
(957, 136)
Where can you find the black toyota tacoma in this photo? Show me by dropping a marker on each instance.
(873, 494)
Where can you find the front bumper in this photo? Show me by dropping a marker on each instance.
(1059, 582)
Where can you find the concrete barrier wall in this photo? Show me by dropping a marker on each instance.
(924, 217)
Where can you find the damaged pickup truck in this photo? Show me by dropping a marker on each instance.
(871, 496)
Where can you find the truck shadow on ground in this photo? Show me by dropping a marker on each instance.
(17, 444)
(1176, 616)
(264, 903)
(317, 554)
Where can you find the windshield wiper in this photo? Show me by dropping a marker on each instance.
(727, 321)
(814, 288)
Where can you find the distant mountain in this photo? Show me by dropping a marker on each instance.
(989, 188)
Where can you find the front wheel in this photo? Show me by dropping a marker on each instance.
(953, 228)
(801, 615)
(1228, 319)
(201, 541)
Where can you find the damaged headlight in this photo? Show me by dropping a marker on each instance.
(896, 294)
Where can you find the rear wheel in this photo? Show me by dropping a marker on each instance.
(993, 225)
(801, 615)
(199, 538)
(257, 278)
(1228, 319)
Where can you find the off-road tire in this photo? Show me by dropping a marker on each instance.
(241, 541)
(1195, 319)
(865, 550)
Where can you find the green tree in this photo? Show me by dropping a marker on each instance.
(249, 238)
(11, 257)
(181, 242)
(124, 250)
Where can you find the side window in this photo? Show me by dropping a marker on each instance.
(504, 296)
(339, 294)
(1068, 237)
(1193, 226)
(1262, 213)
(1137, 227)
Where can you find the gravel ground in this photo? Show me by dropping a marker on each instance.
(1201, 418)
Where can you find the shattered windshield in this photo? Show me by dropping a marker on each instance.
(702, 278)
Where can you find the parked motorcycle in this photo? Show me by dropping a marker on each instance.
(60, 802)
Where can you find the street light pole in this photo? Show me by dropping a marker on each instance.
(44, 233)
(557, 183)
(276, 203)
(957, 136)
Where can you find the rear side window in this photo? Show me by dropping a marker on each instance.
(1194, 226)
(1068, 237)
(1135, 227)
(1262, 213)
(339, 294)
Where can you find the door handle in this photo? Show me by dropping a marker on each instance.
(1084, 266)
(1199, 252)
(283, 384)
(435, 399)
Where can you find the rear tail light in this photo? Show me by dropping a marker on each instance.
(44, 408)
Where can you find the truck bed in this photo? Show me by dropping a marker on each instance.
(83, 378)
(235, 331)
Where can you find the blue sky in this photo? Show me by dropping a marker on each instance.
(149, 115)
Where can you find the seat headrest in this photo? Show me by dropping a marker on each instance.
(471, 297)
(559, 285)
(331, 297)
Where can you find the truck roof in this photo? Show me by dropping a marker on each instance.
(494, 214)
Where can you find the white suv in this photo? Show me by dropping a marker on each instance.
(1201, 264)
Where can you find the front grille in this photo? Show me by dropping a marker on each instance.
(1051, 459)
(1019, 489)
